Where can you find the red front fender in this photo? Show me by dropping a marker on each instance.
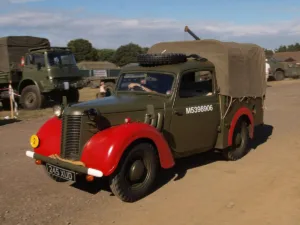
(104, 150)
(49, 135)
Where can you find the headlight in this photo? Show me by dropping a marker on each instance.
(92, 114)
(57, 110)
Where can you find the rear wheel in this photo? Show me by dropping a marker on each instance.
(240, 142)
(279, 75)
(73, 95)
(31, 98)
(136, 174)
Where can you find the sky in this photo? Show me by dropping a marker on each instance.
(109, 24)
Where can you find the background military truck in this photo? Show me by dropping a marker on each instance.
(194, 97)
(100, 71)
(284, 65)
(38, 71)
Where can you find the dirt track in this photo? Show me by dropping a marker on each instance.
(262, 188)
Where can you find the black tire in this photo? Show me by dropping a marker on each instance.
(161, 59)
(5, 104)
(73, 95)
(240, 147)
(110, 88)
(31, 98)
(279, 75)
(119, 180)
(57, 97)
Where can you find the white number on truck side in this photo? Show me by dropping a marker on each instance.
(199, 109)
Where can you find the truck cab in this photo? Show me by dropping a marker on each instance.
(53, 72)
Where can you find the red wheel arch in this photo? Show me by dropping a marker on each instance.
(240, 112)
(105, 149)
(49, 135)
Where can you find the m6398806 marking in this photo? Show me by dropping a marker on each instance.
(199, 109)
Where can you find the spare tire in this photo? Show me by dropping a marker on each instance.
(161, 59)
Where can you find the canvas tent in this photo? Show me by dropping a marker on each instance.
(240, 68)
(12, 48)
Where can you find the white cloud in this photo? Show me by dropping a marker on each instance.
(106, 32)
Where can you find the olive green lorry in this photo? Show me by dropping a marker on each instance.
(183, 98)
(280, 69)
(38, 72)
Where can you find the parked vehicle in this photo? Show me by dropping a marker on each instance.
(194, 97)
(38, 72)
(281, 68)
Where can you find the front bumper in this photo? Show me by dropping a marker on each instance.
(65, 165)
(56, 84)
(72, 84)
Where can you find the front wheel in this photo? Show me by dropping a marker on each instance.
(240, 142)
(31, 98)
(136, 174)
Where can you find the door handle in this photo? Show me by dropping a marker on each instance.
(178, 113)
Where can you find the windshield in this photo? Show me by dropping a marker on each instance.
(151, 82)
(61, 58)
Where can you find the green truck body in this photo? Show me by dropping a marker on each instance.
(283, 67)
(38, 72)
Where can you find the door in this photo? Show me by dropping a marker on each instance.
(196, 113)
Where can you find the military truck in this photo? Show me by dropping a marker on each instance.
(184, 98)
(38, 72)
(281, 68)
(100, 71)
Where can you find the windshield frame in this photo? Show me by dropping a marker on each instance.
(60, 54)
(145, 92)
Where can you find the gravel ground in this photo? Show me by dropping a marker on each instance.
(262, 188)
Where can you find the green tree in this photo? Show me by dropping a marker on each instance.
(127, 54)
(269, 53)
(289, 48)
(282, 48)
(83, 50)
(145, 49)
(106, 54)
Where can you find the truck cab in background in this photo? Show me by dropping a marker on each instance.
(38, 72)
(52, 73)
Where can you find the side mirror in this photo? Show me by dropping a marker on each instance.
(39, 66)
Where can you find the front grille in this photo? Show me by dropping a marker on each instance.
(70, 139)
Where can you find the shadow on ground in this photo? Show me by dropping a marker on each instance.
(8, 121)
(179, 171)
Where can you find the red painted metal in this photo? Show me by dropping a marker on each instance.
(49, 137)
(105, 149)
(242, 111)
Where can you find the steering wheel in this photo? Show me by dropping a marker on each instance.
(136, 88)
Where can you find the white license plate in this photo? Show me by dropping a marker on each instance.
(61, 173)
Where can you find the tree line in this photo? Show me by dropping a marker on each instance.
(283, 48)
(84, 51)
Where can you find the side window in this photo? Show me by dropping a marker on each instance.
(196, 83)
(38, 58)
